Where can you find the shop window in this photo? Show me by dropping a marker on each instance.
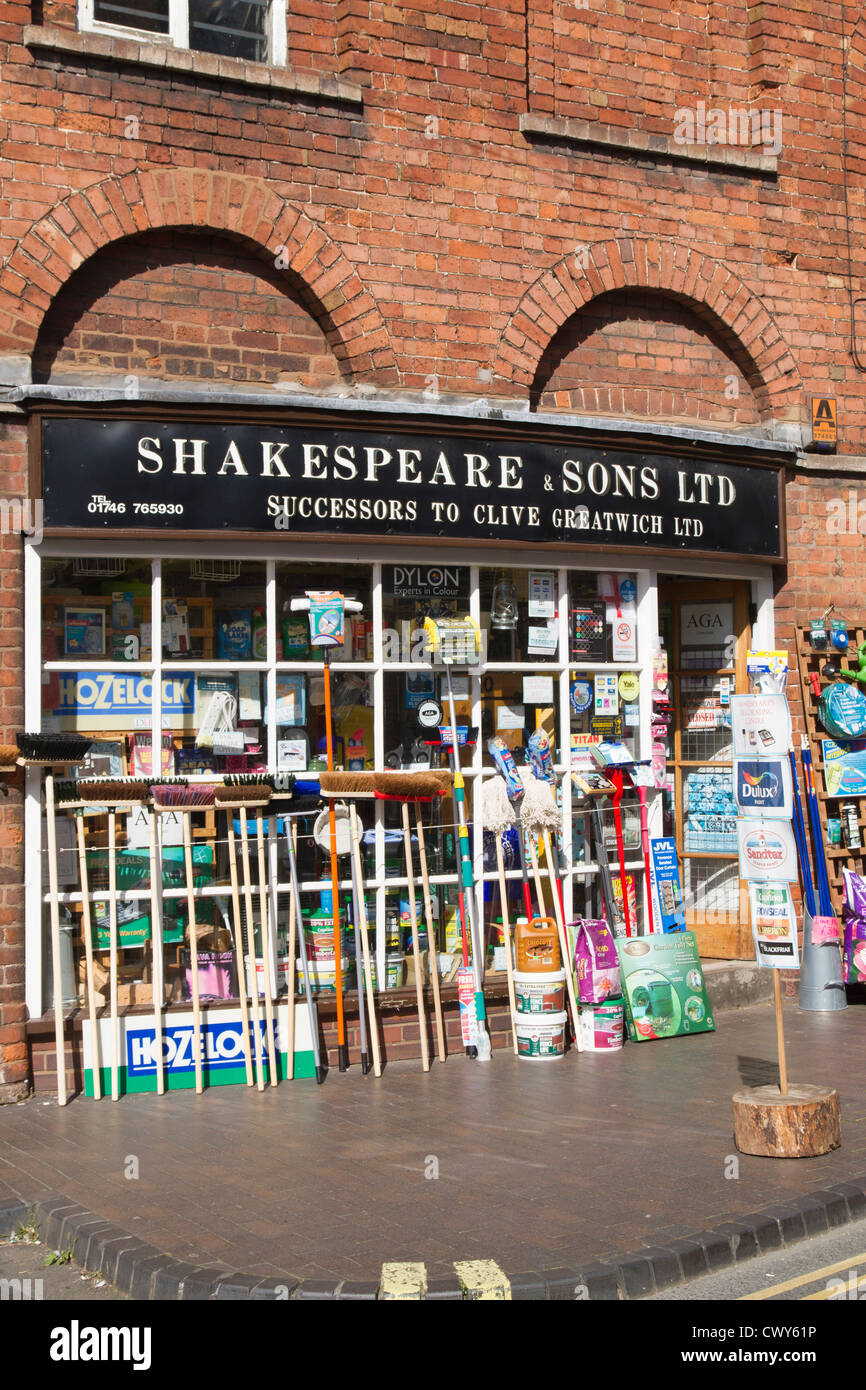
(232, 687)
(252, 30)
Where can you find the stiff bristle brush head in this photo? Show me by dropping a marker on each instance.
(256, 794)
(8, 754)
(118, 789)
(53, 748)
(177, 793)
(497, 810)
(538, 809)
(411, 786)
(347, 783)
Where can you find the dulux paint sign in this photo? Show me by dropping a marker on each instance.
(763, 787)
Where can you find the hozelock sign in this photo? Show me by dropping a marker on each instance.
(115, 700)
(109, 475)
(221, 1045)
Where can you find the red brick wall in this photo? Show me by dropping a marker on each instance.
(13, 1051)
(171, 305)
(644, 355)
(429, 244)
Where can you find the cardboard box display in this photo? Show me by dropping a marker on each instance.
(663, 986)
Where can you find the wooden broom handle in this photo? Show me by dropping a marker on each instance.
(290, 1030)
(431, 933)
(506, 932)
(239, 945)
(86, 927)
(251, 948)
(419, 983)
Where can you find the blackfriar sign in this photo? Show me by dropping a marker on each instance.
(144, 475)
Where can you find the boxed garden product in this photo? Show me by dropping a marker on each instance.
(596, 967)
(663, 986)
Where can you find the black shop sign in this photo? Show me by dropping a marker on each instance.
(130, 475)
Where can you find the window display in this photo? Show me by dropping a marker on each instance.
(234, 691)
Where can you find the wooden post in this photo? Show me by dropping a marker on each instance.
(780, 1033)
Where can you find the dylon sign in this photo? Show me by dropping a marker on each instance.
(143, 474)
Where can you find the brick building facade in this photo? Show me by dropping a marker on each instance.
(628, 213)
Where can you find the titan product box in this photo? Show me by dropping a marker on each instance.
(663, 986)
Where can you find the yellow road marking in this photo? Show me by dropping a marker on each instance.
(406, 1281)
(803, 1279)
(829, 1293)
(483, 1279)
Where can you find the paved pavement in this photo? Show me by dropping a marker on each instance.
(530, 1165)
(829, 1268)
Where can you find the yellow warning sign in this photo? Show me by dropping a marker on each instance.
(823, 419)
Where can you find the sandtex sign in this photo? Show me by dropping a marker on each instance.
(145, 474)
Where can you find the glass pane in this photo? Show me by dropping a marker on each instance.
(233, 28)
(213, 610)
(707, 639)
(519, 614)
(711, 888)
(151, 15)
(514, 706)
(411, 593)
(293, 637)
(93, 610)
(603, 622)
(709, 810)
(706, 722)
(407, 744)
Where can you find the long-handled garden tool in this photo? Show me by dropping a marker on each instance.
(156, 948)
(54, 911)
(301, 808)
(800, 838)
(539, 815)
(825, 900)
(267, 959)
(363, 966)
(456, 641)
(498, 816)
(341, 841)
(327, 611)
(250, 959)
(616, 776)
(87, 930)
(433, 955)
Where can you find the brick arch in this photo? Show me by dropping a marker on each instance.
(707, 286)
(231, 204)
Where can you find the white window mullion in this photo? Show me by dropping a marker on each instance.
(34, 944)
(178, 23)
(278, 48)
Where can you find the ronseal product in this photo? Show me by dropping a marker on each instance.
(601, 1025)
(540, 1037)
(539, 993)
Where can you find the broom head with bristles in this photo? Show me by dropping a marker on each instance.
(538, 809)
(411, 786)
(116, 789)
(347, 783)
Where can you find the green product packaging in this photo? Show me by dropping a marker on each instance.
(663, 986)
(259, 630)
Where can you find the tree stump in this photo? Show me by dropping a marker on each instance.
(803, 1123)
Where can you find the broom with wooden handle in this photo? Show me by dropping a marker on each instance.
(238, 932)
(266, 949)
(156, 955)
(54, 911)
(87, 929)
(312, 1013)
(258, 1046)
(193, 950)
(290, 1031)
(539, 815)
(358, 878)
(112, 948)
(413, 919)
(497, 814)
(433, 955)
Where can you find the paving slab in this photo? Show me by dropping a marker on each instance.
(536, 1167)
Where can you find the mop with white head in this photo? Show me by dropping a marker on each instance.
(538, 809)
(496, 809)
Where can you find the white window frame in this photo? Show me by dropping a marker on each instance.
(577, 876)
(177, 35)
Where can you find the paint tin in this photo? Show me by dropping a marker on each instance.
(540, 1037)
(540, 993)
(395, 970)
